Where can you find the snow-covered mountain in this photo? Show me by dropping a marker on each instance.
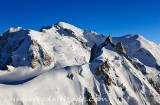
(51, 67)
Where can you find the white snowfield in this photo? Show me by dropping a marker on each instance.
(51, 67)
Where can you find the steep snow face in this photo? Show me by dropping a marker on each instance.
(51, 67)
(139, 47)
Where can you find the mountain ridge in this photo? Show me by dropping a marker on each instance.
(54, 62)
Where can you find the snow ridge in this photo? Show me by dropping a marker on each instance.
(53, 63)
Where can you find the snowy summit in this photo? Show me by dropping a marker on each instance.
(65, 65)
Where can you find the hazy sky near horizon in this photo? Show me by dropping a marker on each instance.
(117, 17)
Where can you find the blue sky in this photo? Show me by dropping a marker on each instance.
(117, 17)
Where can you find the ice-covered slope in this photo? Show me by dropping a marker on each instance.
(51, 67)
(139, 47)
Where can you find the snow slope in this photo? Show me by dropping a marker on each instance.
(51, 67)
(139, 47)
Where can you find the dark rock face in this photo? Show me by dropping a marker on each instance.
(104, 67)
(34, 62)
(93, 52)
(96, 50)
(38, 55)
(102, 71)
(70, 76)
(89, 100)
(155, 85)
